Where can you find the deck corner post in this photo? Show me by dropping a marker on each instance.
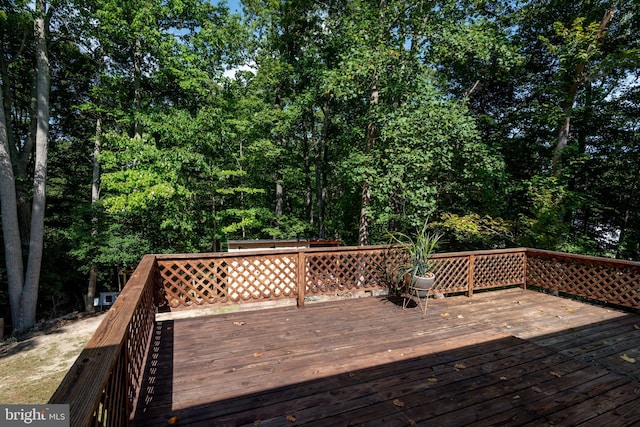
(472, 261)
(301, 277)
(525, 268)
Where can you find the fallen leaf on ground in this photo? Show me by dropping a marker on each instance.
(627, 358)
(399, 403)
(239, 323)
(555, 374)
(291, 418)
(460, 316)
(459, 366)
(257, 354)
(570, 309)
(444, 314)
(503, 378)
(172, 420)
(432, 380)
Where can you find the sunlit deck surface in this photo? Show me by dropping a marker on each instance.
(509, 357)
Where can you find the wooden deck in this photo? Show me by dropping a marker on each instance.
(509, 357)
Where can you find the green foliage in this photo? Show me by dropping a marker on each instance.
(545, 227)
(469, 98)
(578, 44)
(472, 232)
(419, 247)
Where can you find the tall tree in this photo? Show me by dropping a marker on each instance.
(582, 44)
(578, 60)
(24, 284)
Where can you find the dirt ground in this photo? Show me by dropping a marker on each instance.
(32, 368)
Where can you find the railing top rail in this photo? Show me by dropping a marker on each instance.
(258, 252)
(262, 252)
(584, 258)
(477, 253)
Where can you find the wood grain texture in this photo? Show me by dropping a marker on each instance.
(106, 380)
(508, 357)
(102, 383)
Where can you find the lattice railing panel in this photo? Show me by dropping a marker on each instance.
(452, 274)
(138, 335)
(242, 277)
(496, 270)
(230, 279)
(115, 402)
(104, 381)
(350, 270)
(601, 281)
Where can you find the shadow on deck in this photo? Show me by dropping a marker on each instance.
(508, 357)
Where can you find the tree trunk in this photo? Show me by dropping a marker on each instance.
(563, 132)
(137, 87)
(19, 156)
(319, 169)
(29, 296)
(308, 191)
(364, 229)
(95, 196)
(567, 105)
(365, 195)
(23, 286)
(91, 289)
(279, 196)
(629, 197)
(324, 195)
(10, 229)
(20, 163)
(323, 154)
(365, 219)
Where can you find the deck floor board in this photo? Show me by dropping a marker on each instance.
(509, 357)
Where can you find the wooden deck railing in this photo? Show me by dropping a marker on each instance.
(234, 277)
(599, 279)
(255, 275)
(102, 385)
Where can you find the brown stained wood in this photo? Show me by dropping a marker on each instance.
(100, 366)
(601, 338)
(609, 399)
(453, 385)
(498, 358)
(575, 337)
(225, 278)
(627, 414)
(472, 260)
(600, 279)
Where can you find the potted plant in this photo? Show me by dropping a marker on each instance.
(418, 273)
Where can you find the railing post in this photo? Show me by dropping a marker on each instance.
(472, 261)
(302, 281)
(525, 269)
